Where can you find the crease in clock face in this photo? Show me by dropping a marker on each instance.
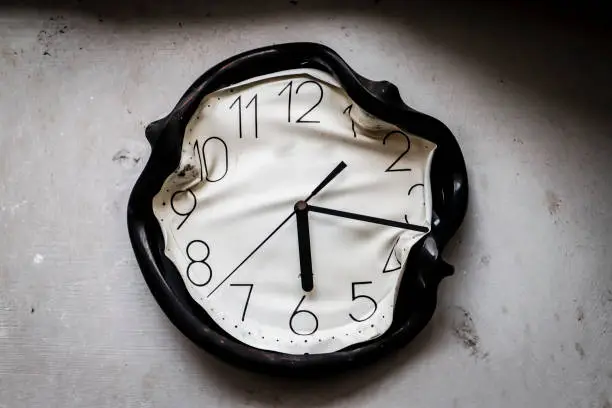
(292, 213)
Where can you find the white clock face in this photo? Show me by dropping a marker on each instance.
(251, 152)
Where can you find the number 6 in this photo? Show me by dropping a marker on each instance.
(308, 312)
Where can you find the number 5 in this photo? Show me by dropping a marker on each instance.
(355, 297)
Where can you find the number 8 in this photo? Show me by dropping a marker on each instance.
(200, 276)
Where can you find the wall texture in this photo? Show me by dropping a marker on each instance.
(525, 321)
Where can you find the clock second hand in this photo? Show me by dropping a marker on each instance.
(341, 166)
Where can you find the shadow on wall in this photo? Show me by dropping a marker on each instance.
(259, 390)
(557, 50)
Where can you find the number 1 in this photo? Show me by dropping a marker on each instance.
(290, 86)
(196, 148)
(348, 110)
(239, 100)
(254, 99)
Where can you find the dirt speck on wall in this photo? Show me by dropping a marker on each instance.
(464, 330)
(553, 202)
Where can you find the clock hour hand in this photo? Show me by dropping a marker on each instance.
(341, 166)
(303, 233)
(301, 217)
(367, 218)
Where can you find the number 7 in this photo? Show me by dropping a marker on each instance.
(250, 286)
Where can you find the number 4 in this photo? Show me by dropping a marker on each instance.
(395, 265)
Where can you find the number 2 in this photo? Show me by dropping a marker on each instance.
(397, 132)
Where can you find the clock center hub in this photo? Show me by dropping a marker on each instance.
(300, 206)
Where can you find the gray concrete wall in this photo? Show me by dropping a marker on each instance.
(525, 322)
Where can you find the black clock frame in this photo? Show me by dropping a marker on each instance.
(425, 269)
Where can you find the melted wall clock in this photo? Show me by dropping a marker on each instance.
(292, 214)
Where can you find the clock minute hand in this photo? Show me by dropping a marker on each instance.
(367, 218)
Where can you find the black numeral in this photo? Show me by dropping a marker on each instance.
(199, 272)
(397, 132)
(238, 101)
(196, 149)
(415, 186)
(348, 111)
(289, 88)
(409, 192)
(297, 312)
(186, 214)
(392, 268)
(254, 102)
(301, 119)
(355, 297)
(204, 171)
(247, 285)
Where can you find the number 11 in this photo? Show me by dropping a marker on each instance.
(239, 101)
